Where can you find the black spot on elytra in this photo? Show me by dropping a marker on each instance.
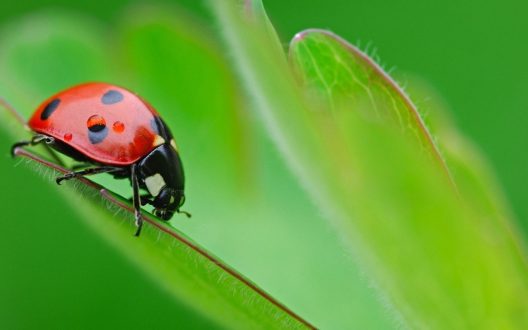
(99, 135)
(111, 97)
(49, 109)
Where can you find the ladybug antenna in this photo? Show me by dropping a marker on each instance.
(185, 212)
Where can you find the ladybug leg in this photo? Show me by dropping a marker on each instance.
(89, 171)
(144, 199)
(39, 138)
(80, 166)
(136, 200)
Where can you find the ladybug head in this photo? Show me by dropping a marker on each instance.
(161, 174)
(167, 202)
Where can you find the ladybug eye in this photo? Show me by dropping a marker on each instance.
(96, 123)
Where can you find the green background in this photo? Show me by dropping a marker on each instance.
(472, 52)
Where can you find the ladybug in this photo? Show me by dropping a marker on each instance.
(116, 132)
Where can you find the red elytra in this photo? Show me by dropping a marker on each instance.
(117, 132)
(106, 123)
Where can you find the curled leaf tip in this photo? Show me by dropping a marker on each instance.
(298, 37)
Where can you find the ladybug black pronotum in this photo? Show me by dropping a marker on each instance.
(119, 133)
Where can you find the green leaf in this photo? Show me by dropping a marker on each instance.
(471, 171)
(345, 77)
(430, 255)
(185, 269)
(188, 272)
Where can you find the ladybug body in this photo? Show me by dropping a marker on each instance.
(118, 132)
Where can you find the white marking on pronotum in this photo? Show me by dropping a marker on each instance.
(154, 184)
(173, 144)
(158, 140)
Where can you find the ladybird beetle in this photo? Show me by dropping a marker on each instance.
(116, 132)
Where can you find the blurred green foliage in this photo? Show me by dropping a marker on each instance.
(440, 260)
(459, 262)
(473, 52)
(453, 45)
